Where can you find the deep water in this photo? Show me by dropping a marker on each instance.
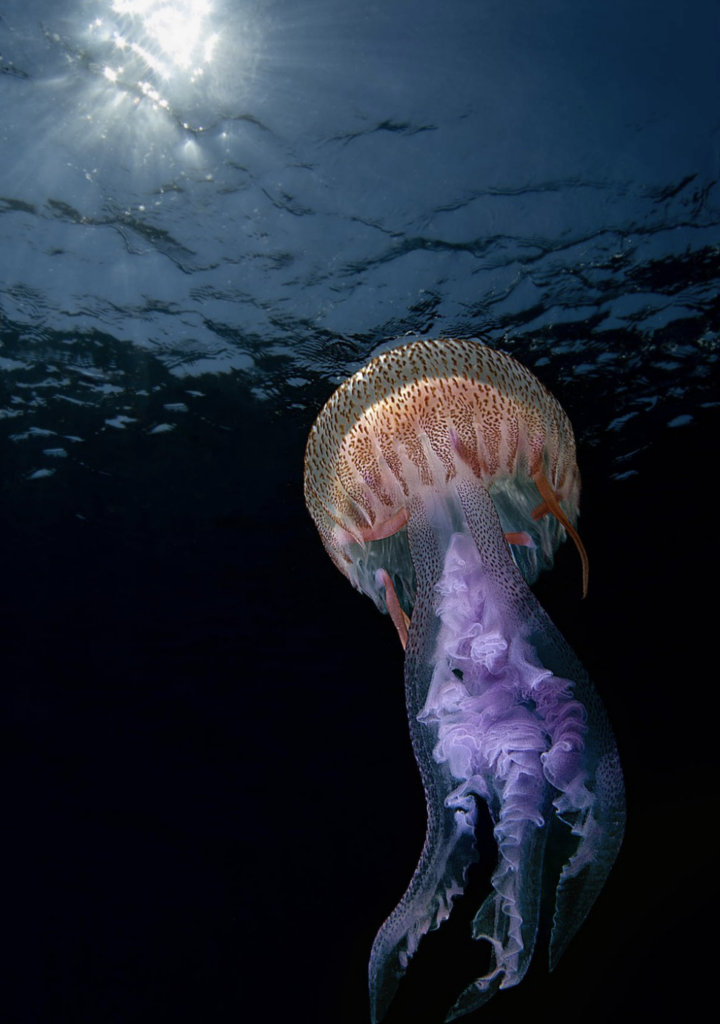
(210, 798)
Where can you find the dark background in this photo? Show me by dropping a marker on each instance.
(212, 802)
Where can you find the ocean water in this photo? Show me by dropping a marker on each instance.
(211, 215)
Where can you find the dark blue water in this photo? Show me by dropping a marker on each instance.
(207, 223)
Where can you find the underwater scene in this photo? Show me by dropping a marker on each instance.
(430, 289)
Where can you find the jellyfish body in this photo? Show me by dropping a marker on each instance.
(441, 478)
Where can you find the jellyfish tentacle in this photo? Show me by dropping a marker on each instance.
(471, 681)
(520, 539)
(400, 620)
(497, 741)
(599, 826)
(552, 505)
(386, 528)
(581, 764)
(540, 512)
(449, 847)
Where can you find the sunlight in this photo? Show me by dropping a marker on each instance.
(174, 65)
(172, 39)
(178, 29)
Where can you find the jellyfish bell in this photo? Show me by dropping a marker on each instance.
(442, 477)
(421, 418)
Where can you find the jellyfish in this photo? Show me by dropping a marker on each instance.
(442, 477)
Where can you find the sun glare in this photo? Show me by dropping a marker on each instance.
(163, 39)
(186, 61)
